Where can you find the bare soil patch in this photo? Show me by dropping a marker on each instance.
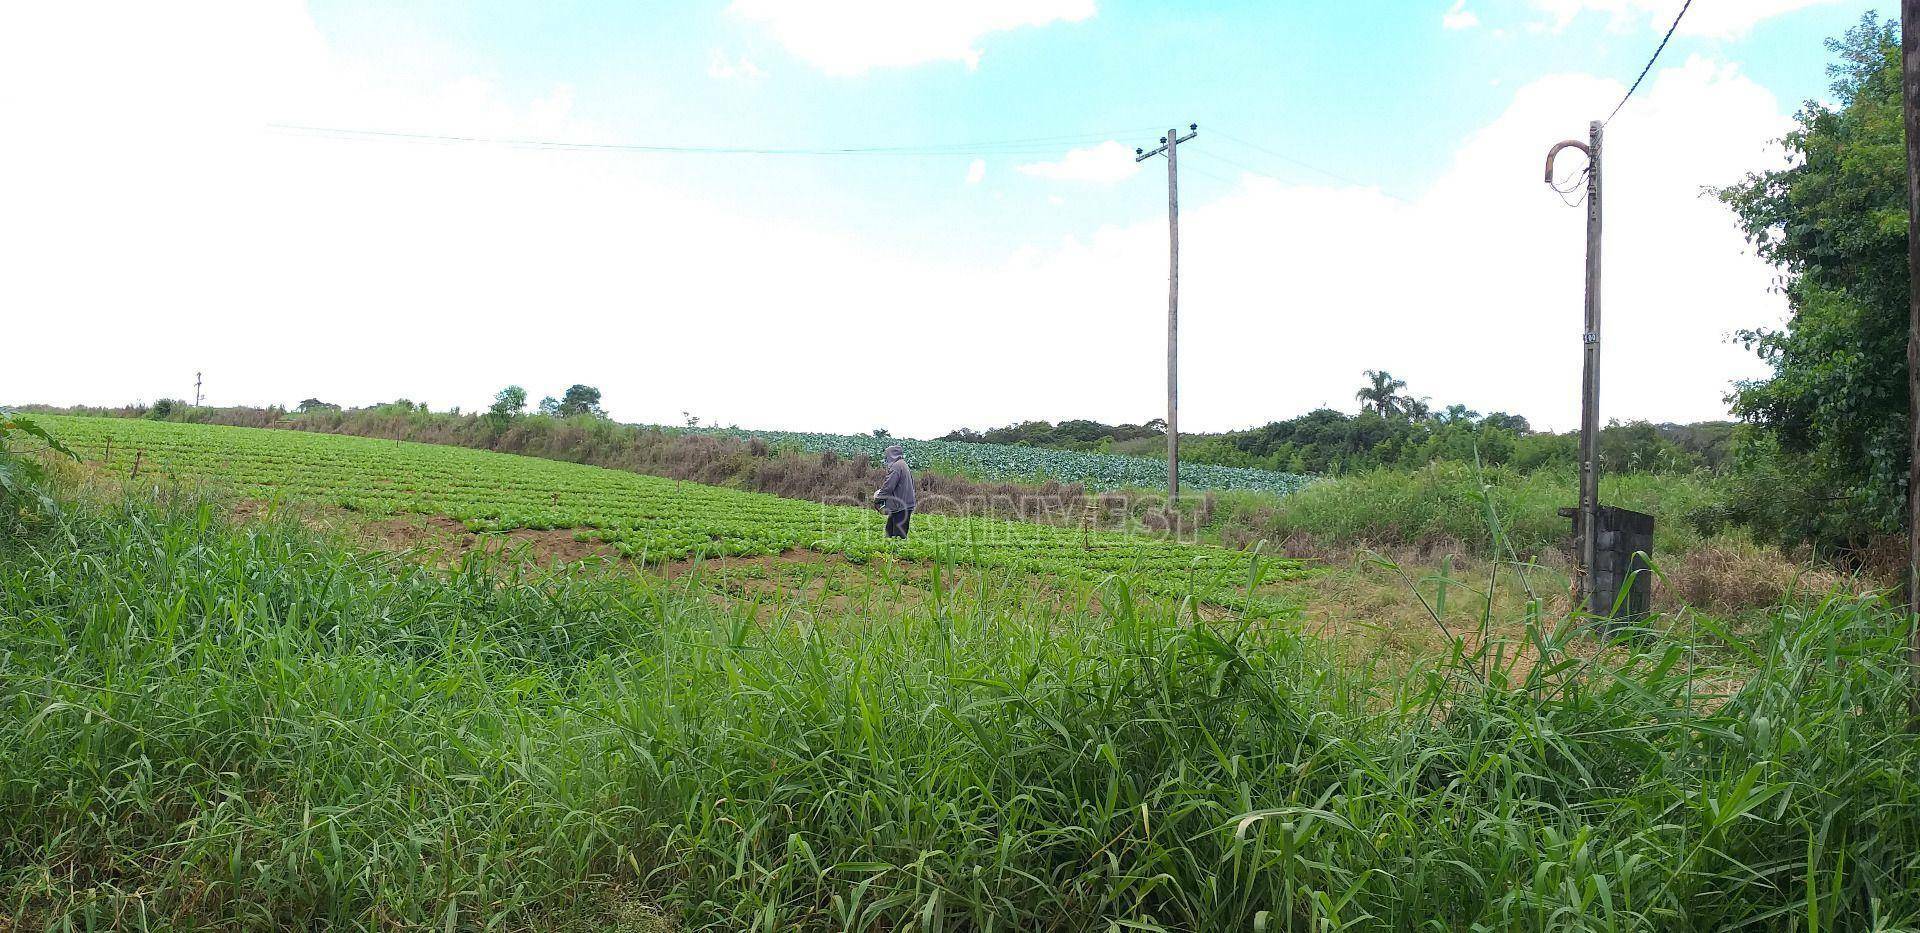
(437, 532)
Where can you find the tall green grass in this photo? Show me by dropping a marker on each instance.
(257, 727)
(1448, 502)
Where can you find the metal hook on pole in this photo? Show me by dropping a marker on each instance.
(1559, 147)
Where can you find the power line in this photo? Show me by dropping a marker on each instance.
(1656, 57)
(1019, 146)
(1571, 184)
(1213, 175)
(1336, 176)
(1251, 170)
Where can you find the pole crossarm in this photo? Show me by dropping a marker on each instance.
(1141, 155)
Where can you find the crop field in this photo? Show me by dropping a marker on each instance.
(1011, 462)
(648, 518)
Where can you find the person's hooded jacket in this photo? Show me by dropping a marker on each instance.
(896, 493)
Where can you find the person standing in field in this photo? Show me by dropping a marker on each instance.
(895, 495)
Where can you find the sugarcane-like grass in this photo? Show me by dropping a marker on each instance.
(219, 727)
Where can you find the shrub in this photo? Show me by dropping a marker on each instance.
(1446, 502)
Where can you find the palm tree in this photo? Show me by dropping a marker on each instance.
(1382, 393)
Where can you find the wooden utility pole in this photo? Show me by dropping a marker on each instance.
(1589, 515)
(1170, 145)
(1910, 88)
(196, 388)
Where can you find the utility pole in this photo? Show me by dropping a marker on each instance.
(1910, 92)
(196, 388)
(1170, 145)
(1589, 516)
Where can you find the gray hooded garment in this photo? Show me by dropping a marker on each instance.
(896, 494)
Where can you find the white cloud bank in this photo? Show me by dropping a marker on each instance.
(976, 170)
(1104, 164)
(164, 230)
(851, 37)
(1720, 19)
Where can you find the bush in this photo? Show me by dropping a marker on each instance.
(1445, 502)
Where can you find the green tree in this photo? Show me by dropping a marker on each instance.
(1640, 447)
(1835, 221)
(1381, 394)
(1517, 424)
(508, 403)
(577, 400)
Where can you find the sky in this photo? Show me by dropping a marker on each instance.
(212, 187)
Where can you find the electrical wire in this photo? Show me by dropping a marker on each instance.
(1017, 146)
(1208, 154)
(1203, 172)
(1575, 201)
(1030, 145)
(1656, 57)
(1572, 183)
(1306, 165)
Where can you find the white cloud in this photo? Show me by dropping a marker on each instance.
(1459, 17)
(1105, 164)
(1721, 20)
(1056, 200)
(850, 37)
(976, 170)
(725, 68)
(289, 266)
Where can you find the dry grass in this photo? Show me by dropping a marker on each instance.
(1728, 576)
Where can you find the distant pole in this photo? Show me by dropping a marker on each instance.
(1910, 87)
(1589, 515)
(196, 388)
(1170, 145)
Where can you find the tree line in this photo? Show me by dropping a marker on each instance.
(1393, 429)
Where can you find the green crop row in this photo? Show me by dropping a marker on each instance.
(1011, 462)
(649, 518)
